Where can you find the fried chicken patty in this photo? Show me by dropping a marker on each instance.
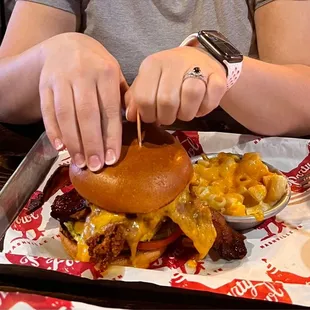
(105, 247)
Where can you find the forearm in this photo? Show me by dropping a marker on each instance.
(271, 99)
(19, 87)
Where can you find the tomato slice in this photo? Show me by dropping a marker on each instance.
(157, 244)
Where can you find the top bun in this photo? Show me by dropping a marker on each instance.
(143, 180)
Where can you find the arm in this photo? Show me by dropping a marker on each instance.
(272, 96)
(77, 80)
(19, 58)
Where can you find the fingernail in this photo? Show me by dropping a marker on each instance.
(58, 144)
(110, 157)
(126, 114)
(79, 160)
(94, 163)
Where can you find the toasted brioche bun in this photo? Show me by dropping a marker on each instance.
(143, 258)
(69, 245)
(144, 179)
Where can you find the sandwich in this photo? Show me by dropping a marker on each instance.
(129, 213)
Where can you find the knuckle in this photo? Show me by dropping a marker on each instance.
(216, 93)
(77, 56)
(148, 62)
(111, 112)
(208, 106)
(212, 105)
(109, 68)
(111, 141)
(61, 111)
(148, 118)
(167, 122)
(78, 72)
(142, 100)
(43, 85)
(220, 87)
(72, 142)
(186, 117)
(92, 146)
(166, 100)
(85, 96)
(85, 111)
(58, 78)
(91, 135)
(77, 68)
(194, 89)
(185, 113)
(77, 65)
(203, 111)
(45, 109)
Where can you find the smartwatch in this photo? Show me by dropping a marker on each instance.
(221, 49)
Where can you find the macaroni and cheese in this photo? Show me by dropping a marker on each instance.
(238, 186)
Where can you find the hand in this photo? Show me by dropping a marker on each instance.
(162, 96)
(80, 95)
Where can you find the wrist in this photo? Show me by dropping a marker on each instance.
(221, 50)
(218, 66)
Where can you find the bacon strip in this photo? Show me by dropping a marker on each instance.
(70, 206)
(229, 244)
(59, 179)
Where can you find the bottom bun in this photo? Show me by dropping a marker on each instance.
(69, 245)
(142, 260)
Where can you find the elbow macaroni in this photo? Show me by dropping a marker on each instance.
(238, 186)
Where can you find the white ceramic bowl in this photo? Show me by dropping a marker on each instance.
(247, 222)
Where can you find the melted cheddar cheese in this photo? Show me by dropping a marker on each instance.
(194, 219)
(238, 186)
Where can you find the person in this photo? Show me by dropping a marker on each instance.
(75, 63)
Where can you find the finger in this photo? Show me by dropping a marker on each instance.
(110, 109)
(65, 113)
(123, 83)
(123, 88)
(168, 96)
(193, 92)
(89, 122)
(214, 94)
(131, 107)
(144, 91)
(49, 118)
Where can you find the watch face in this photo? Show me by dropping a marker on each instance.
(219, 46)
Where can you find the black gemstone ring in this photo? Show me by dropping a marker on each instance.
(194, 73)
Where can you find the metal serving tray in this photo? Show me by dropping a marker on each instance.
(134, 295)
(24, 181)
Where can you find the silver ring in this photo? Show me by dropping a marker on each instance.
(194, 73)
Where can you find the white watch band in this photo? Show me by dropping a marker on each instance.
(233, 69)
(233, 72)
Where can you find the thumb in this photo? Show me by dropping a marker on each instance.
(123, 86)
(123, 83)
(131, 107)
